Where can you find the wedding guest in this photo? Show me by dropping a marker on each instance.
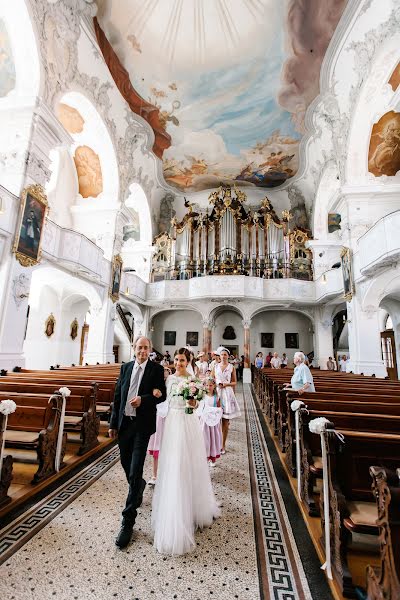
(225, 377)
(210, 415)
(191, 367)
(201, 366)
(215, 360)
(241, 367)
(165, 361)
(302, 380)
(343, 363)
(284, 361)
(268, 359)
(259, 360)
(330, 364)
(276, 361)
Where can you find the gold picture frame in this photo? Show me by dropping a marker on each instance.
(347, 274)
(116, 273)
(50, 325)
(33, 212)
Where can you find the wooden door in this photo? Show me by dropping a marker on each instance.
(116, 353)
(389, 353)
(84, 341)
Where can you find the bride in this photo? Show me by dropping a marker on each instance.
(183, 498)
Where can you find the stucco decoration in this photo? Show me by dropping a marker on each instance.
(167, 213)
(7, 66)
(70, 118)
(89, 172)
(384, 147)
(297, 208)
(394, 80)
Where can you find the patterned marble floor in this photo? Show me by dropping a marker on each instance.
(249, 553)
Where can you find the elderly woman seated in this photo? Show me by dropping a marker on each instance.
(302, 380)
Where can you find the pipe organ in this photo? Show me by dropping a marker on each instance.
(229, 239)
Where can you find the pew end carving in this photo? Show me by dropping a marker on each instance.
(385, 584)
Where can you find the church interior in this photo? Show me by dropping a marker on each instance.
(220, 177)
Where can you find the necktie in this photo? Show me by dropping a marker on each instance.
(130, 411)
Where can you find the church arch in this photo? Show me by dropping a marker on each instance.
(65, 298)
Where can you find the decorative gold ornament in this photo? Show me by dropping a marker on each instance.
(50, 325)
(31, 222)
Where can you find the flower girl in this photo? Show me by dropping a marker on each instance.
(210, 414)
(155, 441)
(183, 498)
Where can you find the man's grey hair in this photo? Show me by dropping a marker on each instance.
(139, 337)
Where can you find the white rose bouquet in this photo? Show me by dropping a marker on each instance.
(191, 389)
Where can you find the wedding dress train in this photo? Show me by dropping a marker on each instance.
(183, 498)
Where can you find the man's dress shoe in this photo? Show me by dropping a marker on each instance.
(124, 536)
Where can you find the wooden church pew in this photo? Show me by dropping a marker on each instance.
(384, 583)
(81, 414)
(36, 428)
(351, 505)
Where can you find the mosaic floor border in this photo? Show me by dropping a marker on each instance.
(23, 528)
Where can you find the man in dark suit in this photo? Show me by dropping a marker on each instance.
(133, 420)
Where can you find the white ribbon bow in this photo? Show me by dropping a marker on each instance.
(65, 392)
(6, 408)
(295, 406)
(318, 426)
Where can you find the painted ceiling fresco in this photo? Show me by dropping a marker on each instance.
(232, 80)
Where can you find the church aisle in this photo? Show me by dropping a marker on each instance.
(245, 554)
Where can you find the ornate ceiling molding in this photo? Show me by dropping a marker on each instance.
(137, 104)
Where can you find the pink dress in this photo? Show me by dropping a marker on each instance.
(210, 415)
(230, 405)
(155, 441)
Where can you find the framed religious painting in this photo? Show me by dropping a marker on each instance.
(32, 217)
(292, 340)
(347, 274)
(116, 273)
(74, 329)
(267, 340)
(50, 325)
(169, 338)
(192, 338)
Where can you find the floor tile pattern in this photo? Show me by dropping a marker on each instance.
(73, 557)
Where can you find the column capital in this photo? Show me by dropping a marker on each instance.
(246, 323)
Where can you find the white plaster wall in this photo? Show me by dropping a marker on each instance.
(62, 188)
(41, 351)
(279, 323)
(180, 321)
(228, 317)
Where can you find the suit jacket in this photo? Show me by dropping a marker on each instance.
(153, 377)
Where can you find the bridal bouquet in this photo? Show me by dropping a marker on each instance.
(191, 389)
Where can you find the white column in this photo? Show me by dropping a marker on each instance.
(323, 339)
(364, 339)
(101, 334)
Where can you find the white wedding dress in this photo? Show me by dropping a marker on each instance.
(183, 497)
